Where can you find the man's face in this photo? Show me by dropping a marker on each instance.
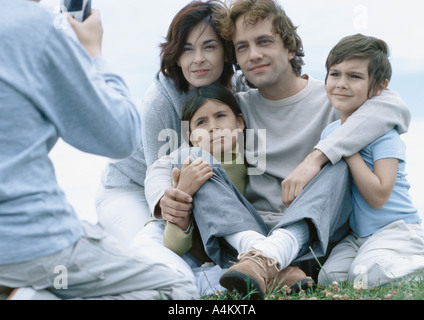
(261, 54)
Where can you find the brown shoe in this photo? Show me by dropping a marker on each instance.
(252, 275)
(294, 278)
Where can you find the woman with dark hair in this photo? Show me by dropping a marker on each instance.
(193, 55)
(197, 15)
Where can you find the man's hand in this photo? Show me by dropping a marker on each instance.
(176, 203)
(89, 32)
(299, 178)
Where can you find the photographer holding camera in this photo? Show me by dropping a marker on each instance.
(54, 84)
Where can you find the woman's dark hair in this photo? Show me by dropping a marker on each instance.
(186, 19)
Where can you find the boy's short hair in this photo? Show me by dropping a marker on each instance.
(261, 10)
(359, 46)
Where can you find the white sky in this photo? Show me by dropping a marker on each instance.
(133, 30)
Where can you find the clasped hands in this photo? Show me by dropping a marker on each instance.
(177, 201)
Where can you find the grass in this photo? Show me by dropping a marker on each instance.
(400, 290)
(410, 290)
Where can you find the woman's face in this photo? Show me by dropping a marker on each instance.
(202, 60)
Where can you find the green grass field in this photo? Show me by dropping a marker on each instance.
(408, 290)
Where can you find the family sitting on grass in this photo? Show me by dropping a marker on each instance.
(245, 183)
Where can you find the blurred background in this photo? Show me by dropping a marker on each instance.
(134, 29)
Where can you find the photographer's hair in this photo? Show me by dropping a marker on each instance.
(262, 10)
(198, 96)
(185, 20)
(359, 46)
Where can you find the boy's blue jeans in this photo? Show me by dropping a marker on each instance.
(220, 210)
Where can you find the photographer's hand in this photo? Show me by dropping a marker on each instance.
(89, 32)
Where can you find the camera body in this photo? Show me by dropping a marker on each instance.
(79, 9)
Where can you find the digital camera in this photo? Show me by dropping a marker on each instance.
(79, 9)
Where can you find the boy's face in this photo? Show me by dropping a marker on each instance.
(214, 127)
(261, 53)
(348, 85)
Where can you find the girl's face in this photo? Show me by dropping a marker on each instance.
(214, 127)
(202, 60)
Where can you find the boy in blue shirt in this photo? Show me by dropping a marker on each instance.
(387, 240)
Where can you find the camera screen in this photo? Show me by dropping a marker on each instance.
(73, 5)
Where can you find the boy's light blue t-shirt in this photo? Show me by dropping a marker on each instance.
(365, 220)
